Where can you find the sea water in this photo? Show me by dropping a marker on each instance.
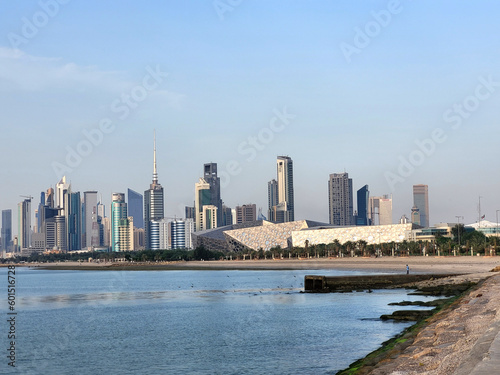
(190, 322)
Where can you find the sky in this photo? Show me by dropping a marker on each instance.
(395, 93)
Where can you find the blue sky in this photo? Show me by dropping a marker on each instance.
(228, 74)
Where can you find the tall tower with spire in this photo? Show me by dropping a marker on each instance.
(153, 204)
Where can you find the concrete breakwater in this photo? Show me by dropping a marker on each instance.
(327, 284)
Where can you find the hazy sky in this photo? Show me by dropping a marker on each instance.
(395, 93)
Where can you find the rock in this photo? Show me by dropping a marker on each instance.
(407, 315)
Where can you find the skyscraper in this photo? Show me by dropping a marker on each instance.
(381, 207)
(210, 176)
(73, 221)
(90, 226)
(135, 208)
(62, 188)
(282, 192)
(340, 199)
(188, 229)
(153, 203)
(421, 201)
(46, 220)
(24, 224)
(6, 229)
(363, 196)
(118, 221)
(206, 213)
(60, 232)
(272, 198)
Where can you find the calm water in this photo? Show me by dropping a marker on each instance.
(190, 322)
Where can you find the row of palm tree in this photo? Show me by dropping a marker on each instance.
(470, 243)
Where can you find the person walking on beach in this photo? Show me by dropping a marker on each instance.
(407, 270)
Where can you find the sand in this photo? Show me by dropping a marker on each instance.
(437, 265)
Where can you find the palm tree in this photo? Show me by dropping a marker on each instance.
(362, 246)
(337, 246)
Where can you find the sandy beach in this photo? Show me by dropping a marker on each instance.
(436, 265)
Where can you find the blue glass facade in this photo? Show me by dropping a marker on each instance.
(135, 208)
(6, 229)
(74, 222)
(363, 198)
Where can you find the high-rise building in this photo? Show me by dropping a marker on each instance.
(90, 226)
(153, 204)
(272, 198)
(155, 234)
(6, 230)
(73, 221)
(227, 215)
(178, 234)
(39, 213)
(188, 229)
(106, 229)
(60, 233)
(202, 199)
(163, 234)
(62, 188)
(118, 220)
(421, 201)
(125, 234)
(363, 196)
(284, 166)
(175, 233)
(280, 192)
(101, 216)
(210, 176)
(340, 199)
(135, 208)
(246, 213)
(380, 210)
(24, 224)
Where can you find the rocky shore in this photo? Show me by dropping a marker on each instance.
(459, 339)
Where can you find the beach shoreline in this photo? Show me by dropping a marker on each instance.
(427, 265)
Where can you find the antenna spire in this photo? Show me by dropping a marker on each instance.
(155, 173)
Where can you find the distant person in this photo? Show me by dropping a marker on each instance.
(407, 270)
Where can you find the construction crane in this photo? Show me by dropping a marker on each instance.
(27, 196)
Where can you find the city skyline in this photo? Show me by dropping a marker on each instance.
(410, 106)
(63, 187)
